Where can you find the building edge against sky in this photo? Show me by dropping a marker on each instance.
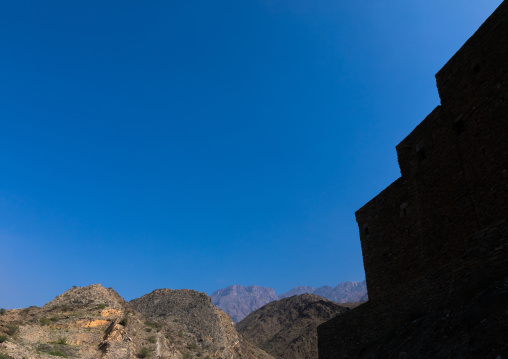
(441, 228)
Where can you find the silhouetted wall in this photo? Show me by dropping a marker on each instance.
(441, 228)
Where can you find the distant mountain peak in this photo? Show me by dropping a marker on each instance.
(239, 301)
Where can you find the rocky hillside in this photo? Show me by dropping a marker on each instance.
(95, 322)
(239, 301)
(287, 328)
(191, 318)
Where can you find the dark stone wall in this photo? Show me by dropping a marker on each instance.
(439, 229)
(351, 334)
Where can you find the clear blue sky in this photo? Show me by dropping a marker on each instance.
(199, 144)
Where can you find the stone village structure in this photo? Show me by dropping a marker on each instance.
(441, 229)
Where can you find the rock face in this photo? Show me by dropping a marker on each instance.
(95, 293)
(239, 301)
(287, 328)
(88, 322)
(95, 322)
(191, 315)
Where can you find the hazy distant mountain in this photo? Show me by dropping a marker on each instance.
(239, 301)
(297, 291)
(346, 292)
(287, 329)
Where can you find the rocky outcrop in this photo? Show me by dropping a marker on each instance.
(87, 322)
(239, 301)
(95, 293)
(287, 328)
(191, 315)
(95, 322)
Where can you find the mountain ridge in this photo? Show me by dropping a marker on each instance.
(239, 301)
(96, 322)
(287, 328)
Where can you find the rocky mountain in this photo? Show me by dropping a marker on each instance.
(239, 301)
(95, 322)
(191, 317)
(287, 328)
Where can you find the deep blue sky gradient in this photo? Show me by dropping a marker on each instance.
(199, 144)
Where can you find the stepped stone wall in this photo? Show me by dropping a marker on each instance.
(441, 229)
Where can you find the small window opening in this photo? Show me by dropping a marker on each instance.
(420, 151)
(404, 209)
(459, 127)
(421, 155)
(476, 69)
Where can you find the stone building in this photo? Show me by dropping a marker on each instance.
(441, 228)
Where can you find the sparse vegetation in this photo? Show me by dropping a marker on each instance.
(62, 341)
(4, 356)
(123, 322)
(191, 346)
(187, 355)
(11, 330)
(3, 338)
(101, 306)
(3, 311)
(152, 339)
(45, 321)
(57, 353)
(153, 325)
(143, 352)
(54, 319)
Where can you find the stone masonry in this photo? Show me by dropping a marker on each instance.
(441, 229)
